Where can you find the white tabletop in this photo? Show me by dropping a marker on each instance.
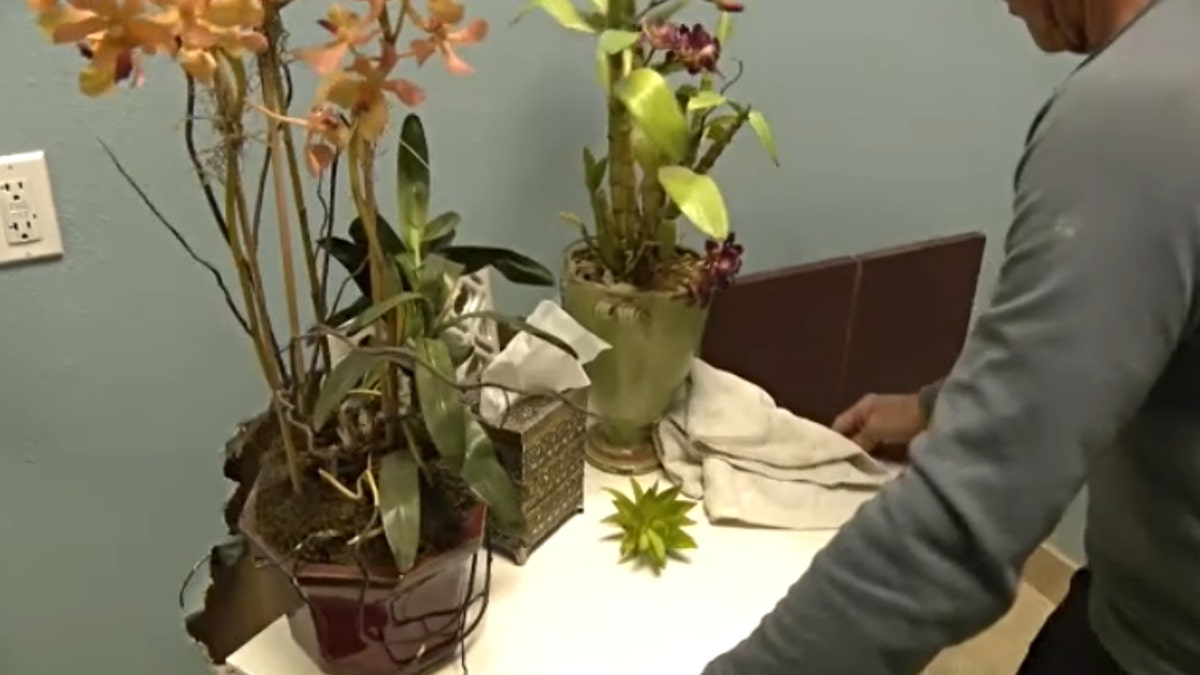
(573, 609)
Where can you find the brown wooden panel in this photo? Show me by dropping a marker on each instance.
(786, 332)
(910, 315)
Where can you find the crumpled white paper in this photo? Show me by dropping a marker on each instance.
(531, 364)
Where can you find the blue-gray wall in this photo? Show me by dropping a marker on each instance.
(120, 375)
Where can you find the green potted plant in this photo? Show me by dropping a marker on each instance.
(631, 280)
(372, 478)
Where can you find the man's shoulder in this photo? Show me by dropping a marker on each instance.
(1141, 95)
(1141, 124)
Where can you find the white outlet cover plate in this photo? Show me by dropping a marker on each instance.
(36, 207)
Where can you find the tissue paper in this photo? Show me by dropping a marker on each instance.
(530, 364)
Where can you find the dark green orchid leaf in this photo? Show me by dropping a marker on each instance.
(460, 440)
(344, 377)
(517, 268)
(512, 322)
(438, 277)
(650, 100)
(442, 409)
(400, 506)
(378, 310)
(389, 241)
(346, 314)
(441, 231)
(489, 481)
(353, 258)
(412, 181)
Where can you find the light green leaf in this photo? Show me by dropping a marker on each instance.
(376, 311)
(601, 6)
(643, 542)
(345, 376)
(658, 549)
(444, 413)
(725, 28)
(699, 198)
(651, 102)
(594, 170)
(705, 100)
(412, 181)
(613, 41)
(638, 492)
(400, 506)
(680, 540)
(562, 11)
(763, 131)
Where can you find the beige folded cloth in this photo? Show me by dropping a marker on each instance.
(727, 443)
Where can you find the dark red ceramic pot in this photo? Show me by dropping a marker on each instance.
(380, 624)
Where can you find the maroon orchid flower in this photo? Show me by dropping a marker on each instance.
(696, 49)
(660, 35)
(722, 262)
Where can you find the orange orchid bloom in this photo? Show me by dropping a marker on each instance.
(208, 25)
(349, 30)
(111, 34)
(443, 31)
(361, 89)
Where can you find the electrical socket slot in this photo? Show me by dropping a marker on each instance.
(21, 226)
(27, 213)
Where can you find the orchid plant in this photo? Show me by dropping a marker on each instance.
(670, 118)
(367, 426)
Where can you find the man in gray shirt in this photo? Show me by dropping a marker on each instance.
(1084, 370)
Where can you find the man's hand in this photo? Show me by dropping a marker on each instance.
(882, 419)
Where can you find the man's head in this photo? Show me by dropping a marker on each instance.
(1079, 26)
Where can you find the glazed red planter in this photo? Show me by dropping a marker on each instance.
(382, 624)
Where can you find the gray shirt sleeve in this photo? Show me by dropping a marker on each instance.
(1092, 299)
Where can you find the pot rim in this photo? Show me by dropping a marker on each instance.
(352, 575)
(622, 290)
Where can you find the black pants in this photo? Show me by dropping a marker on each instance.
(1066, 644)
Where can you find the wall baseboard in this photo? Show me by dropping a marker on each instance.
(1049, 572)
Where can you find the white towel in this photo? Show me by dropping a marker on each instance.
(727, 443)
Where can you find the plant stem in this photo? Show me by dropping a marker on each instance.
(622, 175)
(230, 104)
(273, 99)
(361, 163)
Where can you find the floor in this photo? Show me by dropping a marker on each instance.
(998, 650)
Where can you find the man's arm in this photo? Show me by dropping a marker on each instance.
(927, 397)
(1092, 299)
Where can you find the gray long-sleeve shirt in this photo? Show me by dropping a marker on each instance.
(1085, 369)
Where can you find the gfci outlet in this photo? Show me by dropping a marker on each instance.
(27, 213)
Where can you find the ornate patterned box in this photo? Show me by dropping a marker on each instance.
(540, 442)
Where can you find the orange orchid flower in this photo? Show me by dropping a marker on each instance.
(361, 89)
(111, 34)
(443, 31)
(208, 25)
(349, 31)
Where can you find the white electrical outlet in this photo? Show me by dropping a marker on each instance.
(27, 210)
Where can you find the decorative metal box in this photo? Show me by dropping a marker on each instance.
(541, 443)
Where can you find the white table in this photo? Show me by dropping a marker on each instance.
(616, 619)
